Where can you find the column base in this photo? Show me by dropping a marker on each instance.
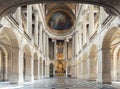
(91, 79)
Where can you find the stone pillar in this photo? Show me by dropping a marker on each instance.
(29, 68)
(118, 66)
(82, 69)
(6, 67)
(65, 50)
(29, 20)
(106, 77)
(36, 69)
(75, 43)
(43, 43)
(19, 17)
(78, 71)
(16, 74)
(55, 50)
(47, 70)
(73, 46)
(47, 46)
(40, 44)
(91, 69)
(80, 44)
(41, 69)
(91, 19)
(100, 67)
(66, 70)
(84, 28)
(36, 27)
(104, 59)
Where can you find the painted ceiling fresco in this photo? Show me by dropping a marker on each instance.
(60, 21)
(60, 17)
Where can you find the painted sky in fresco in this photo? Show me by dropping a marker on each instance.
(60, 21)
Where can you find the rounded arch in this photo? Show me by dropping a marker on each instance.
(93, 50)
(51, 69)
(93, 62)
(108, 36)
(10, 41)
(4, 68)
(35, 56)
(27, 50)
(4, 50)
(9, 37)
(107, 57)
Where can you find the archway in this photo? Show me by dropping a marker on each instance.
(36, 71)
(27, 63)
(84, 66)
(51, 70)
(93, 63)
(9, 47)
(109, 42)
(3, 64)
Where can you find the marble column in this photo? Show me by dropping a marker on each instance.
(36, 69)
(104, 59)
(36, 27)
(19, 17)
(73, 46)
(84, 28)
(47, 70)
(40, 44)
(44, 43)
(29, 20)
(80, 70)
(41, 69)
(91, 69)
(66, 70)
(29, 74)
(6, 67)
(91, 20)
(65, 50)
(80, 44)
(16, 69)
(55, 50)
(114, 72)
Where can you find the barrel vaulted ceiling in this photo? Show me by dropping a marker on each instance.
(9, 6)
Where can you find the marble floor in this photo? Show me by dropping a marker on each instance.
(60, 83)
